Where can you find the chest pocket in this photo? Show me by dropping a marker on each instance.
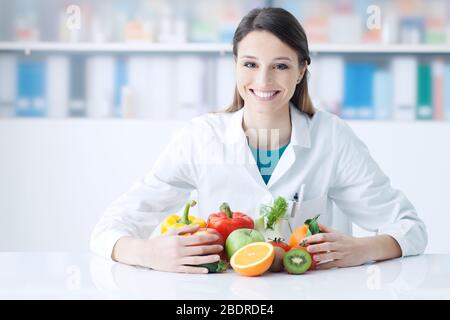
(305, 210)
(309, 209)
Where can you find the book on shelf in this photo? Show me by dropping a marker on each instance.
(404, 77)
(225, 82)
(183, 86)
(8, 83)
(327, 82)
(77, 92)
(446, 90)
(57, 85)
(437, 86)
(190, 83)
(31, 99)
(121, 90)
(358, 95)
(100, 73)
(382, 94)
(424, 106)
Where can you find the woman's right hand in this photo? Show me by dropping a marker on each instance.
(175, 251)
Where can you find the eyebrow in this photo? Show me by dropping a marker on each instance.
(279, 58)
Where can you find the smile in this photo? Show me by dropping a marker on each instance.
(264, 95)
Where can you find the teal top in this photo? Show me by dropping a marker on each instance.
(267, 160)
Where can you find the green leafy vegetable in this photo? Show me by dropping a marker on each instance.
(277, 212)
(215, 267)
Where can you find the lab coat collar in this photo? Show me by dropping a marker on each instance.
(300, 135)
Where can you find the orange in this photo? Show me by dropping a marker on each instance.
(298, 235)
(253, 259)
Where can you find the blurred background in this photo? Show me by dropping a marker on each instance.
(91, 92)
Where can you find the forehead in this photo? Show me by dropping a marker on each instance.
(263, 44)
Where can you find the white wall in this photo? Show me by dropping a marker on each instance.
(57, 176)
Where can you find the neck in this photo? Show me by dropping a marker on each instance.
(267, 131)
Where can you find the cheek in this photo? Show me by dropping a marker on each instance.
(243, 79)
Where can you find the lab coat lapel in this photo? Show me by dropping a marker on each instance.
(236, 139)
(300, 138)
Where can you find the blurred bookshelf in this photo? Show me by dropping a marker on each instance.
(222, 48)
(126, 59)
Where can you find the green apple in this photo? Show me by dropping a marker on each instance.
(241, 237)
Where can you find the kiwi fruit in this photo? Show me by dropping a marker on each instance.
(297, 261)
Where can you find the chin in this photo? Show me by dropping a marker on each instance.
(266, 108)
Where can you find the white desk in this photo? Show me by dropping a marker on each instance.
(85, 276)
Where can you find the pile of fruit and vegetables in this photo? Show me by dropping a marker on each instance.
(253, 247)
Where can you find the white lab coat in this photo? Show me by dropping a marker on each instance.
(211, 155)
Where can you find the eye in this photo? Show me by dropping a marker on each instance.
(281, 66)
(249, 64)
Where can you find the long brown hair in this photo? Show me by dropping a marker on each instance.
(285, 27)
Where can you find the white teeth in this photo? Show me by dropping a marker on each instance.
(264, 94)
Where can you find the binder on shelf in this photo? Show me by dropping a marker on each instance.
(358, 96)
(120, 82)
(330, 75)
(424, 93)
(225, 82)
(57, 86)
(8, 84)
(31, 89)
(351, 92)
(138, 79)
(438, 88)
(447, 91)
(152, 84)
(190, 84)
(161, 87)
(404, 76)
(382, 94)
(99, 86)
(77, 96)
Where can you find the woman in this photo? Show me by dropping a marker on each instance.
(268, 143)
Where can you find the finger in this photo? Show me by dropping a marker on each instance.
(326, 229)
(202, 250)
(328, 265)
(189, 269)
(185, 229)
(323, 247)
(322, 237)
(327, 256)
(196, 260)
(198, 239)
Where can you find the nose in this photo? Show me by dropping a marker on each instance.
(264, 77)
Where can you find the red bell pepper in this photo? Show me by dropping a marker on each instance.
(227, 221)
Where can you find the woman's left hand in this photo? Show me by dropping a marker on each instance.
(335, 249)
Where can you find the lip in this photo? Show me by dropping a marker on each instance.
(265, 98)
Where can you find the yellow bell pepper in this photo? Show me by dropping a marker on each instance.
(174, 221)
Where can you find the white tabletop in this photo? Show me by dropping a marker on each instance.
(85, 276)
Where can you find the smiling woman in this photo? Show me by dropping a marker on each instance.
(273, 42)
(271, 142)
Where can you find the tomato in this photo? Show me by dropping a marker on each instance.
(279, 242)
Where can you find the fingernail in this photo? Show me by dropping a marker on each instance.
(317, 258)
